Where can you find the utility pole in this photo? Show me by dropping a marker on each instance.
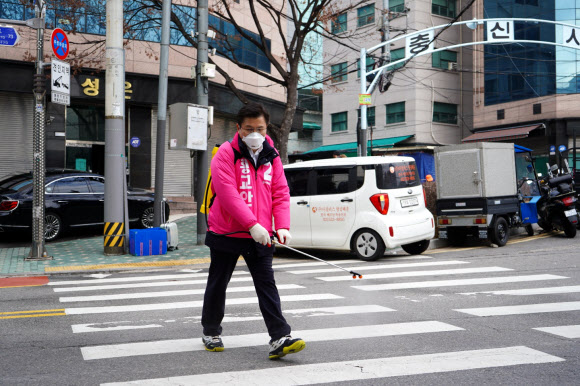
(202, 99)
(115, 159)
(158, 212)
(38, 250)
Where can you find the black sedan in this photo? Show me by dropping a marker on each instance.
(73, 199)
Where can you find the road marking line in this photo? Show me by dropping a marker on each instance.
(522, 309)
(313, 264)
(30, 312)
(135, 278)
(31, 316)
(168, 263)
(251, 340)
(27, 281)
(418, 273)
(531, 291)
(192, 304)
(357, 370)
(145, 295)
(82, 328)
(380, 266)
(572, 331)
(457, 282)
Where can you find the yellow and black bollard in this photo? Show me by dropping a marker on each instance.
(114, 238)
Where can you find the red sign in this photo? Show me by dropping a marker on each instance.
(59, 43)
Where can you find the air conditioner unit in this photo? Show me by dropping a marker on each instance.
(452, 66)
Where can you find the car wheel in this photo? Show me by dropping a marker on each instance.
(52, 226)
(146, 218)
(416, 248)
(368, 245)
(499, 232)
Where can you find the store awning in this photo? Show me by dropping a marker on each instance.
(311, 126)
(502, 134)
(350, 146)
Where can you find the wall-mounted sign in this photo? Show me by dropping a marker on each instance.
(135, 142)
(562, 148)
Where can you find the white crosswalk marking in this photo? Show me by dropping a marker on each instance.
(571, 332)
(251, 340)
(136, 278)
(531, 291)
(418, 273)
(379, 266)
(145, 295)
(314, 264)
(458, 282)
(522, 309)
(373, 368)
(192, 304)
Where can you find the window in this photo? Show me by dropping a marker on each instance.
(537, 108)
(297, 181)
(397, 54)
(397, 5)
(395, 112)
(333, 181)
(365, 15)
(397, 175)
(370, 65)
(339, 25)
(442, 59)
(97, 184)
(370, 115)
(444, 113)
(339, 122)
(443, 8)
(70, 185)
(85, 123)
(338, 72)
(500, 114)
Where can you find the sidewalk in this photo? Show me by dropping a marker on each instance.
(86, 255)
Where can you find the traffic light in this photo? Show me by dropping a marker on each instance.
(39, 84)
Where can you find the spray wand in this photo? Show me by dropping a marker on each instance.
(354, 274)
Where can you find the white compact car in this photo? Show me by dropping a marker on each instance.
(359, 204)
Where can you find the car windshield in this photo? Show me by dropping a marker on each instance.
(18, 182)
(396, 175)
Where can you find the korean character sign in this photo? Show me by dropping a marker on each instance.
(570, 36)
(500, 31)
(421, 42)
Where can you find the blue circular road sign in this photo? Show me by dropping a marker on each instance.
(562, 148)
(135, 142)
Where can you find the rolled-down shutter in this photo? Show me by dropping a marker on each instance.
(178, 164)
(16, 124)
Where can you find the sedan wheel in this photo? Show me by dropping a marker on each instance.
(52, 226)
(147, 218)
(368, 245)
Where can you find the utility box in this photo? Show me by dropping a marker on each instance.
(473, 170)
(188, 125)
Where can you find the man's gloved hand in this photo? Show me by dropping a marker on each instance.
(284, 236)
(260, 235)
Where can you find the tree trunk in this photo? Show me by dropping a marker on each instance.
(291, 103)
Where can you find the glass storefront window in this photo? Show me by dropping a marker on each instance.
(85, 123)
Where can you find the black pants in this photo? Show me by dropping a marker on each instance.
(225, 252)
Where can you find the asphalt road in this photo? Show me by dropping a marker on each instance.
(475, 315)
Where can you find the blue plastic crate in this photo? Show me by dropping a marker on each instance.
(148, 242)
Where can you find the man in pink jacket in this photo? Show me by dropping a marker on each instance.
(250, 188)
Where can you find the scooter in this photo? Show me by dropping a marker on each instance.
(557, 205)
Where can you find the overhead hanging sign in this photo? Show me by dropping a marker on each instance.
(500, 31)
(421, 42)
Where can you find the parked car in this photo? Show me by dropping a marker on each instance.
(359, 204)
(72, 199)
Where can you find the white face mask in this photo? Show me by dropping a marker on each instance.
(254, 140)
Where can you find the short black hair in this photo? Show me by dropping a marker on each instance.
(253, 110)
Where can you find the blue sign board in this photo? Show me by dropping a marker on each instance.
(135, 142)
(8, 36)
(562, 148)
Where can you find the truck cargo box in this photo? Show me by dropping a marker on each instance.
(482, 169)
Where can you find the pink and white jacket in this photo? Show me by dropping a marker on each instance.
(246, 194)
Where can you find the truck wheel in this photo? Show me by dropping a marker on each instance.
(499, 233)
(530, 230)
(569, 229)
(368, 245)
(416, 248)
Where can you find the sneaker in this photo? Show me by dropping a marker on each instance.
(285, 345)
(213, 343)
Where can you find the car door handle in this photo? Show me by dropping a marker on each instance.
(302, 202)
(347, 200)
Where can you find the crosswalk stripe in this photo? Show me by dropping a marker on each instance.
(571, 332)
(303, 312)
(138, 278)
(145, 295)
(191, 304)
(314, 264)
(531, 291)
(457, 282)
(143, 285)
(357, 370)
(381, 266)
(419, 273)
(253, 340)
(522, 309)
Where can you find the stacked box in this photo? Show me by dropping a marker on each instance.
(148, 242)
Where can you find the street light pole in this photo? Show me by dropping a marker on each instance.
(38, 250)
